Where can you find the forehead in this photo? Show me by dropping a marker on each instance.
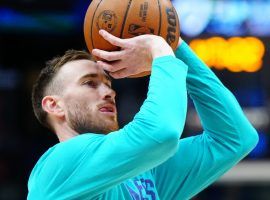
(75, 70)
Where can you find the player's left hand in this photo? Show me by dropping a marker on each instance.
(135, 57)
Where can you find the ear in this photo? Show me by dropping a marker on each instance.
(52, 106)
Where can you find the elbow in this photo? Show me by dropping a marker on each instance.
(250, 141)
(162, 134)
(156, 153)
(171, 129)
(169, 139)
(244, 144)
(172, 139)
(240, 147)
(168, 134)
(168, 145)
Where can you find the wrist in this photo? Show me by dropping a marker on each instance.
(160, 48)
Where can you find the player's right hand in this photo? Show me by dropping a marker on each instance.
(135, 57)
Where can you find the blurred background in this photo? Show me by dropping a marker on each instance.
(232, 37)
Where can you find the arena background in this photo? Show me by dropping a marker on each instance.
(236, 34)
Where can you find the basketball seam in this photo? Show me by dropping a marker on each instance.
(160, 17)
(177, 23)
(124, 22)
(93, 24)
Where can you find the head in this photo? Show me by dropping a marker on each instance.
(72, 94)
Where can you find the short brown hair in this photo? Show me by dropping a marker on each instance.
(45, 85)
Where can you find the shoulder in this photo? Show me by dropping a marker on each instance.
(69, 148)
(78, 143)
(62, 157)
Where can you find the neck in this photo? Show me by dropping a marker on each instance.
(64, 132)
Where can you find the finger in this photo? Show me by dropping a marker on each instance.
(123, 73)
(112, 39)
(110, 67)
(106, 55)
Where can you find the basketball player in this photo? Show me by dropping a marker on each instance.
(146, 159)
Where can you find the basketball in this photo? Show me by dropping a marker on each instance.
(130, 18)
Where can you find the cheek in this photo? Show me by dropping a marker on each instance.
(88, 103)
(83, 100)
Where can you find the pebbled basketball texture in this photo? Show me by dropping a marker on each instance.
(130, 18)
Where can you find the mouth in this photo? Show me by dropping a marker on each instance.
(109, 109)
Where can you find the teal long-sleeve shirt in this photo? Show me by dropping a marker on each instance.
(94, 166)
(146, 159)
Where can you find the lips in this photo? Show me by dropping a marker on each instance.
(107, 108)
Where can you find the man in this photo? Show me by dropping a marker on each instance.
(145, 159)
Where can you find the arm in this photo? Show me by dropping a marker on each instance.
(227, 138)
(221, 115)
(89, 165)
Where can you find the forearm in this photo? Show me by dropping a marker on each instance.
(163, 112)
(220, 113)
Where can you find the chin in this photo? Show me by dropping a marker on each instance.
(111, 129)
(97, 126)
(110, 125)
(106, 128)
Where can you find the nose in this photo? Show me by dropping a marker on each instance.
(108, 93)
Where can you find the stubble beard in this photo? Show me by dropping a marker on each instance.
(82, 120)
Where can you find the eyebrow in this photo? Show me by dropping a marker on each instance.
(95, 75)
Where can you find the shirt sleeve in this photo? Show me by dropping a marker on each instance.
(88, 165)
(227, 137)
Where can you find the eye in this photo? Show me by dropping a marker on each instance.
(92, 84)
(108, 85)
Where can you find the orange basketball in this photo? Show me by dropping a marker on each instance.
(129, 18)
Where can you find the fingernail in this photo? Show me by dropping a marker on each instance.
(101, 32)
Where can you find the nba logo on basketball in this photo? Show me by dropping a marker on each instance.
(107, 20)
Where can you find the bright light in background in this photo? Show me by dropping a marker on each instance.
(194, 15)
(234, 54)
(259, 22)
(229, 17)
(223, 17)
